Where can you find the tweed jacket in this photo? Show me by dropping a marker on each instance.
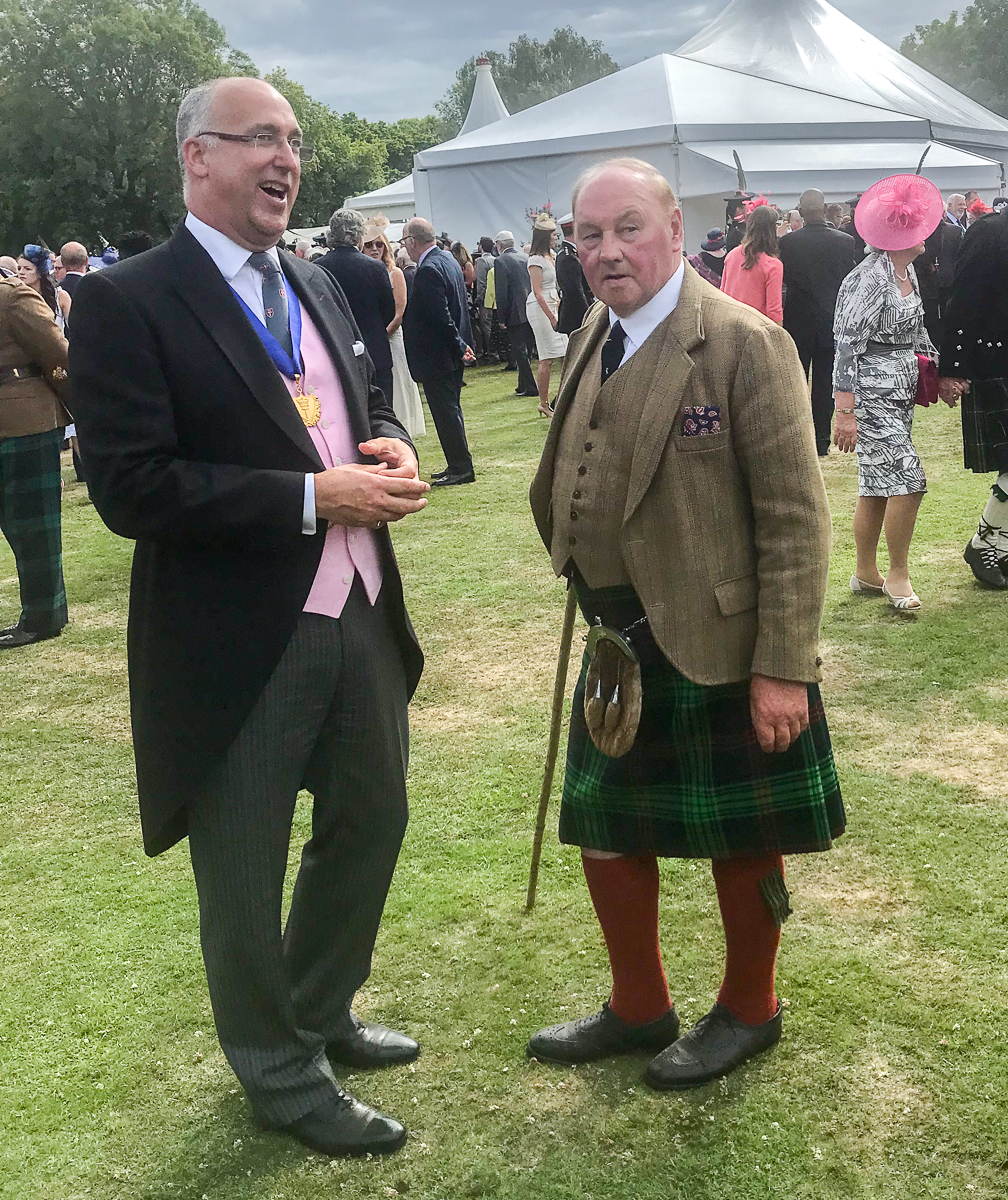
(725, 537)
(29, 337)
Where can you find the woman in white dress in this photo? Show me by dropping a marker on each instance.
(543, 304)
(406, 403)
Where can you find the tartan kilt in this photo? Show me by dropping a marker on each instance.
(696, 783)
(985, 426)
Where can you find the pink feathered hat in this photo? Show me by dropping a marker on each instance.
(899, 212)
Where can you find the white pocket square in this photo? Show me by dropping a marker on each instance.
(358, 349)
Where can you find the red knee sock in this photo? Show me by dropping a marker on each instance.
(752, 936)
(625, 894)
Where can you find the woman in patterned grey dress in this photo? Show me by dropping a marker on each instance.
(879, 329)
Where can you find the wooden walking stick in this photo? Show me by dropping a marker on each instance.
(559, 688)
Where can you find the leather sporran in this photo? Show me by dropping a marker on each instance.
(613, 692)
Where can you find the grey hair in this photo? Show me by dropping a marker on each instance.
(346, 227)
(192, 117)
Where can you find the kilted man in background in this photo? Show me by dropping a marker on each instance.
(33, 381)
(680, 492)
(974, 365)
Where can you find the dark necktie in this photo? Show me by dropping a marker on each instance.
(274, 300)
(612, 351)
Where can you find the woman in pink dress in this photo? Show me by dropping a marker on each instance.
(753, 272)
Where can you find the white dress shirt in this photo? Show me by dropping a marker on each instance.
(232, 261)
(639, 325)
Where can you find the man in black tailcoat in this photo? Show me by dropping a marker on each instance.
(817, 259)
(575, 294)
(511, 288)
(230, 424)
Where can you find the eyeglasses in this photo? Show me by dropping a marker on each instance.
(261, 141)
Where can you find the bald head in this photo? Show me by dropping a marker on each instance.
(241, 172)
(74, 256)
(418, 235)
(812, 205)
(635, 170)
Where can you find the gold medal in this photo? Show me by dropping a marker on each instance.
(307, 404)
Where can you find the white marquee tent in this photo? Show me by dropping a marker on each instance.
(396, 199)
(804, 96)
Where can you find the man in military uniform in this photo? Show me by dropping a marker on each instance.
(680, 492)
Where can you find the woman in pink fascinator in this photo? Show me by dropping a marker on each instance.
(883, 354)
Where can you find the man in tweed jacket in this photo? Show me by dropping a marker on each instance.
(680, 492)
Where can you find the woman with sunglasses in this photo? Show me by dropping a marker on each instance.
(406, 401)
(35, 268)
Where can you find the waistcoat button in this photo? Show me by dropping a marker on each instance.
(588, 445)
(582, 469)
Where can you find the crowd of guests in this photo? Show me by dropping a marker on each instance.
(426, 307)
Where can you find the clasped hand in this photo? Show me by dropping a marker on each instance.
(950, 389)
(369, 495)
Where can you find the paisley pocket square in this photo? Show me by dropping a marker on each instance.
(358, 349)
(699, 420)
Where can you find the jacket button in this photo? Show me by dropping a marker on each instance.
(593, 424)
(577, 494)
(572, 541)
(588, 445)
(818, 662)
(573, 514)
(582, 469)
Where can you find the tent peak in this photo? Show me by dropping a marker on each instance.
(486, 105)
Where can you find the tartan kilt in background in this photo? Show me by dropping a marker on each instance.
(30, 500)
(696, 783)
(985, 426)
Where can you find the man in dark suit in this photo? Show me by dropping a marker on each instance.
(816, 261)
(575, 294)
(512, 286)
(367, 287)
(438, 342)
(75, 262)
(230, 424)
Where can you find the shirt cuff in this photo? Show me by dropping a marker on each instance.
(309, 525)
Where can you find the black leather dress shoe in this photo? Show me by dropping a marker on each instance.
(440, 474)
(345, 1126)
(985, 566)
(367, 1045)
(717, 1044)
(602, 1035)
(16, 636)
(520, 392)
(452, 480)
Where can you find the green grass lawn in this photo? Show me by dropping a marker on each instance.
(891, 1079)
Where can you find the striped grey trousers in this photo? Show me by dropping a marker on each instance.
(331, 719)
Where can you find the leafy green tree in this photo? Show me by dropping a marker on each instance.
(971, 54)
(530, 72)
(346, 162)
(402, 139)
(88, 96)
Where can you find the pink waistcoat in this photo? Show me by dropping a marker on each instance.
(347, 550)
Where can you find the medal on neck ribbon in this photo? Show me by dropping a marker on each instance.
(309, 406)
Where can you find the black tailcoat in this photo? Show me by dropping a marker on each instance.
(193, 448)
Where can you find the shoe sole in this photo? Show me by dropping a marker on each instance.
(356, 1151)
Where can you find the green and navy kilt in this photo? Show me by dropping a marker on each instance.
(985, 426)
(696, 783)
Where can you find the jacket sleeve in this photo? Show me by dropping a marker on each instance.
(30, 323)
(774, 441)
(142, 484)
(774, 280)
(859, 303)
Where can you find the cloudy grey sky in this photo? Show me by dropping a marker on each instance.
(385, 60)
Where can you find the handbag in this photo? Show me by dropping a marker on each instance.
(927, 381)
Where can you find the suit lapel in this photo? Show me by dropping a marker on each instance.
(679, 333)
(214, 305)
(309, 283)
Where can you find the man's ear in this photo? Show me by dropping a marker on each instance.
(194, 155)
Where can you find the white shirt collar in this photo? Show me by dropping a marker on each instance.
(432, 246)
(228, 255)
(639, 325)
